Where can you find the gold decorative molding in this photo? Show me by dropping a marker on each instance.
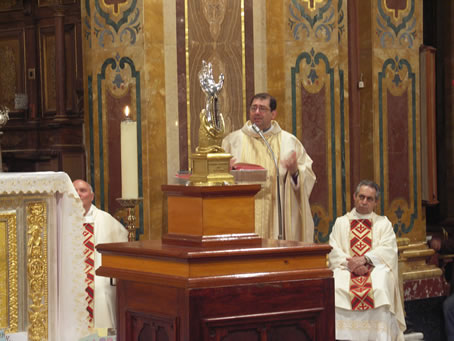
(37, 270)
(413, 260)
(8, 272)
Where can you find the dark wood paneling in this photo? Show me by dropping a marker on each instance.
(13, 68)
(282, 310)
(34, 138)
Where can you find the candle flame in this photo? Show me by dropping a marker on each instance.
(127, 111)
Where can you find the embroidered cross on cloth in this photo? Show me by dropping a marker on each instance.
(361, 292)
(89, 250)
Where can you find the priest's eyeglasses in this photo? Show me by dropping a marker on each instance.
(261, 108)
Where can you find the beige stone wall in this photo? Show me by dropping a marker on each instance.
(297, 50)
(396, 38)
(124, 65)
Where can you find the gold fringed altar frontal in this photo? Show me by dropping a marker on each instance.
(37, 270)
(8, 272)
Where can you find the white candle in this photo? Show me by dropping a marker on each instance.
(129, 169)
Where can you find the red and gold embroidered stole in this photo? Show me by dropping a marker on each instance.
(89, 271)
(361, 292)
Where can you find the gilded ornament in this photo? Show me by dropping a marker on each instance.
(210, 163)
(37, 270)
(9, 307)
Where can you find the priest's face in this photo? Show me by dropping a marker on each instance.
(85, 193)
(365, 200)
(261, 114)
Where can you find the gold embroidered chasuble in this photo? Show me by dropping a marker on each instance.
(246, 146)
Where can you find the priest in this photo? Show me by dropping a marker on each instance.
(295, 172)
(364, 263)
(99, 227)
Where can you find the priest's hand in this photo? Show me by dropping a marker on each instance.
(361, 270)
(355, 262)
(291, 163)
(435, 243)
(232, 162)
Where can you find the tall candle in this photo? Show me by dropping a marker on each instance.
(129, 169)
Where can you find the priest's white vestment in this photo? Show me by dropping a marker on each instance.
(246, 146)
(106, 230)
(386, 321)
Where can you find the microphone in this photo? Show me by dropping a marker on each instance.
(279, 209)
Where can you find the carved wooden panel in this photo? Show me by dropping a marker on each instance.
(276, 310)
(294, 310)
(157, 328)
(28, 63)
(47, 48)
(297, 325)
(12, 64)
(72, 74)
(8, 5)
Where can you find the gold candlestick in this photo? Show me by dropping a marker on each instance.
(130, 204)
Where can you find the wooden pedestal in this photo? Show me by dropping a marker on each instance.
(194, 289)
(204, 216)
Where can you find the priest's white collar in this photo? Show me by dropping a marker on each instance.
(274, 129)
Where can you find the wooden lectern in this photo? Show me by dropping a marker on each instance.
(212, 278)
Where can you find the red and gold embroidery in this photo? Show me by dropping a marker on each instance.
(89, 271)
(361, 291)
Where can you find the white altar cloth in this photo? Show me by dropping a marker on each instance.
(66, 315)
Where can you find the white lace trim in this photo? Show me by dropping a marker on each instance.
(36, 182)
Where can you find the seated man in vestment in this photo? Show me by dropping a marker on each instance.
(99, 227)
(364, 262)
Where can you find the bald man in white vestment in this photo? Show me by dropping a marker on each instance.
(364, 262)
(295, 172)
(106, 229)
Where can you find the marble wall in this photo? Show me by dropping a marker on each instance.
(309, 54)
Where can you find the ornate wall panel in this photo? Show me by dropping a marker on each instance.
(396, 125)
(121, 87)
(122, 68)
(311, 87)
(217, 33)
